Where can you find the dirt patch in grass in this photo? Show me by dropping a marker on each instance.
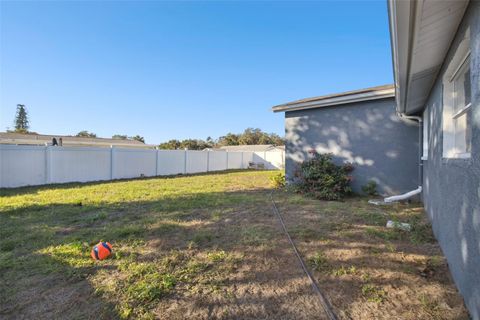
(367, 270)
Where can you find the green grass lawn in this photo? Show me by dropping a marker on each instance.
(209, 246)
(48, 232)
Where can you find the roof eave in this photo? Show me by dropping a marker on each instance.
(413, 80)
(359, 97)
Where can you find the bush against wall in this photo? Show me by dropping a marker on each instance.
(278, 180)
(321, 178)
(370, 188)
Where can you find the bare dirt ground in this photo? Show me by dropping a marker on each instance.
(264, 282)
(369, 271)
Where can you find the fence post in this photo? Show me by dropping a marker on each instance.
(208, 160)
(112, 156)
(156, 161)
(226, 151)
(185, 162)
(265, 159)
(46, 164)
(242, 166)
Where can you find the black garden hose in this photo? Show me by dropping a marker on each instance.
(323, 300)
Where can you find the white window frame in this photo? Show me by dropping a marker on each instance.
(459, 61)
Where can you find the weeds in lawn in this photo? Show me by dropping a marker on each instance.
(373, 218)
(373, 293)
(256, 235)
(216, 256)
(429, 305)
(305, 233)
(422, 233)
(390, 247)
(342, 271)
(318, 262)
(385, 234)
(366, 277)
(202, 237)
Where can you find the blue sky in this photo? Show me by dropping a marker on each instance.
(167, 70)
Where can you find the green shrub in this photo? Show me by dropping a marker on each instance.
(370, 188)
(321, 178)
(278, 180)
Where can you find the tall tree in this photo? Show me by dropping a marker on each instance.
(86, 134)
(21, 119)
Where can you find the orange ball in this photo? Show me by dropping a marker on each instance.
(101, 251)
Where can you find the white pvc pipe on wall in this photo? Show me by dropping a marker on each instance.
(403, 196)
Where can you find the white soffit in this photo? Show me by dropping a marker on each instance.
(421, 34)
(374, 93)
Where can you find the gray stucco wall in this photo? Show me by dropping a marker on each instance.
(452, 187)
(383, 147)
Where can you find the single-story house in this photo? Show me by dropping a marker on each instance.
(68, 141)
(360, 127)
(436, 63)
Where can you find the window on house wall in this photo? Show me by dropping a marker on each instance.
(425, 134)
(457, 104)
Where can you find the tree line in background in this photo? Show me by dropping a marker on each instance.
(250, 136)
(22, 124)
(86, 134)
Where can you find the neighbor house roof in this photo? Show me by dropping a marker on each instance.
(42, 139)
(421, 33)
(374, 93)
(253, 148)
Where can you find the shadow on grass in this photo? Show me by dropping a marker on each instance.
(44, 249)
(47, 271)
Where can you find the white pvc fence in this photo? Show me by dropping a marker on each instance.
(37, 165)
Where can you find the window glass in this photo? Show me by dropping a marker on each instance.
(467, 86)
(468, 131)
(460, 133)
(461, 87)
(457, 110)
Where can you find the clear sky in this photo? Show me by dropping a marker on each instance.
(167, 70)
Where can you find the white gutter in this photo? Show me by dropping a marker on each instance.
(337, 100)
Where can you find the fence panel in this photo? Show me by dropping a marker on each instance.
(133, 163)
(170, 162)
(78, 164)
(196, 161)
(274, 159)
(247, 158)
(22, 166)
(217, 160)
(235, 160)
(36, 165)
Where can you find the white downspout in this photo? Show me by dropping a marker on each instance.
(403, 196)
(420, 168)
